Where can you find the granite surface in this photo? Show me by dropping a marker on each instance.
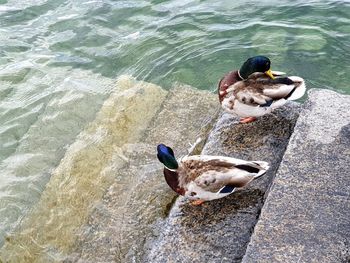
(219, 230)
(122, 224)
(306, 217)
(49, 231)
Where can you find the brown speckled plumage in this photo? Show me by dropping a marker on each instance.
(207, 177)
(192, 169)
(252, 91)
(226, 81)
(259, 94)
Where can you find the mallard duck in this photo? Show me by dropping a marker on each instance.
(204, 177)
(255, 90)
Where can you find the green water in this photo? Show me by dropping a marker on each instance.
(59, 60)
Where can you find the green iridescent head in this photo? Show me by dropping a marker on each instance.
(256, 64)
(166, 156)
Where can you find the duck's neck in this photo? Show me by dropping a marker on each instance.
(228, 80)
(172, 179)
(239, 75)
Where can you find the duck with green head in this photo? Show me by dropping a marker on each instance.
(255, 90)
(205, 177)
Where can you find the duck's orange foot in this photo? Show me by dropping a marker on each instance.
(247, 120)
(197, 202)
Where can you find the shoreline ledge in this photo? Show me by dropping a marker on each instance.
(298, 212)
(48, 232)
(122, 223)
(306, 217)
(219, 231)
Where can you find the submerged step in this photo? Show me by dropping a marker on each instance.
(219, 231)
(83, 175)
(306, 217)
(123, 226)
(37, 132)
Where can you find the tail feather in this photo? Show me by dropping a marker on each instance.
(299, 90)
(248, 168)
(258, 168)
(277, 73)
(264, 166)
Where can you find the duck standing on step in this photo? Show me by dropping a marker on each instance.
(255, 90)
(204, 177)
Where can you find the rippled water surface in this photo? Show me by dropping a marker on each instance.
(59, 60)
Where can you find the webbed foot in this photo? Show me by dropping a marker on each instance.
(197, 202)
(247, 120)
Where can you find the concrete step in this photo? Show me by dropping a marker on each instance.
(49, 231)
(306, 217)
(123, 224)
(219, 231)
(108, 191)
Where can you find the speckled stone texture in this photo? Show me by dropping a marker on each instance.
(219, 231)
(121, 224)
(306, 217)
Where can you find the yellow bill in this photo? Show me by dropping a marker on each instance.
(269, 73)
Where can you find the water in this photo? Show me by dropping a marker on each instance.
(59, 60)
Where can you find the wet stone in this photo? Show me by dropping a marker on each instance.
(122, 225)
(88, 167)
(306, 217)
(219, 230)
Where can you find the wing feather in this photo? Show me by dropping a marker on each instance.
(278, 91)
